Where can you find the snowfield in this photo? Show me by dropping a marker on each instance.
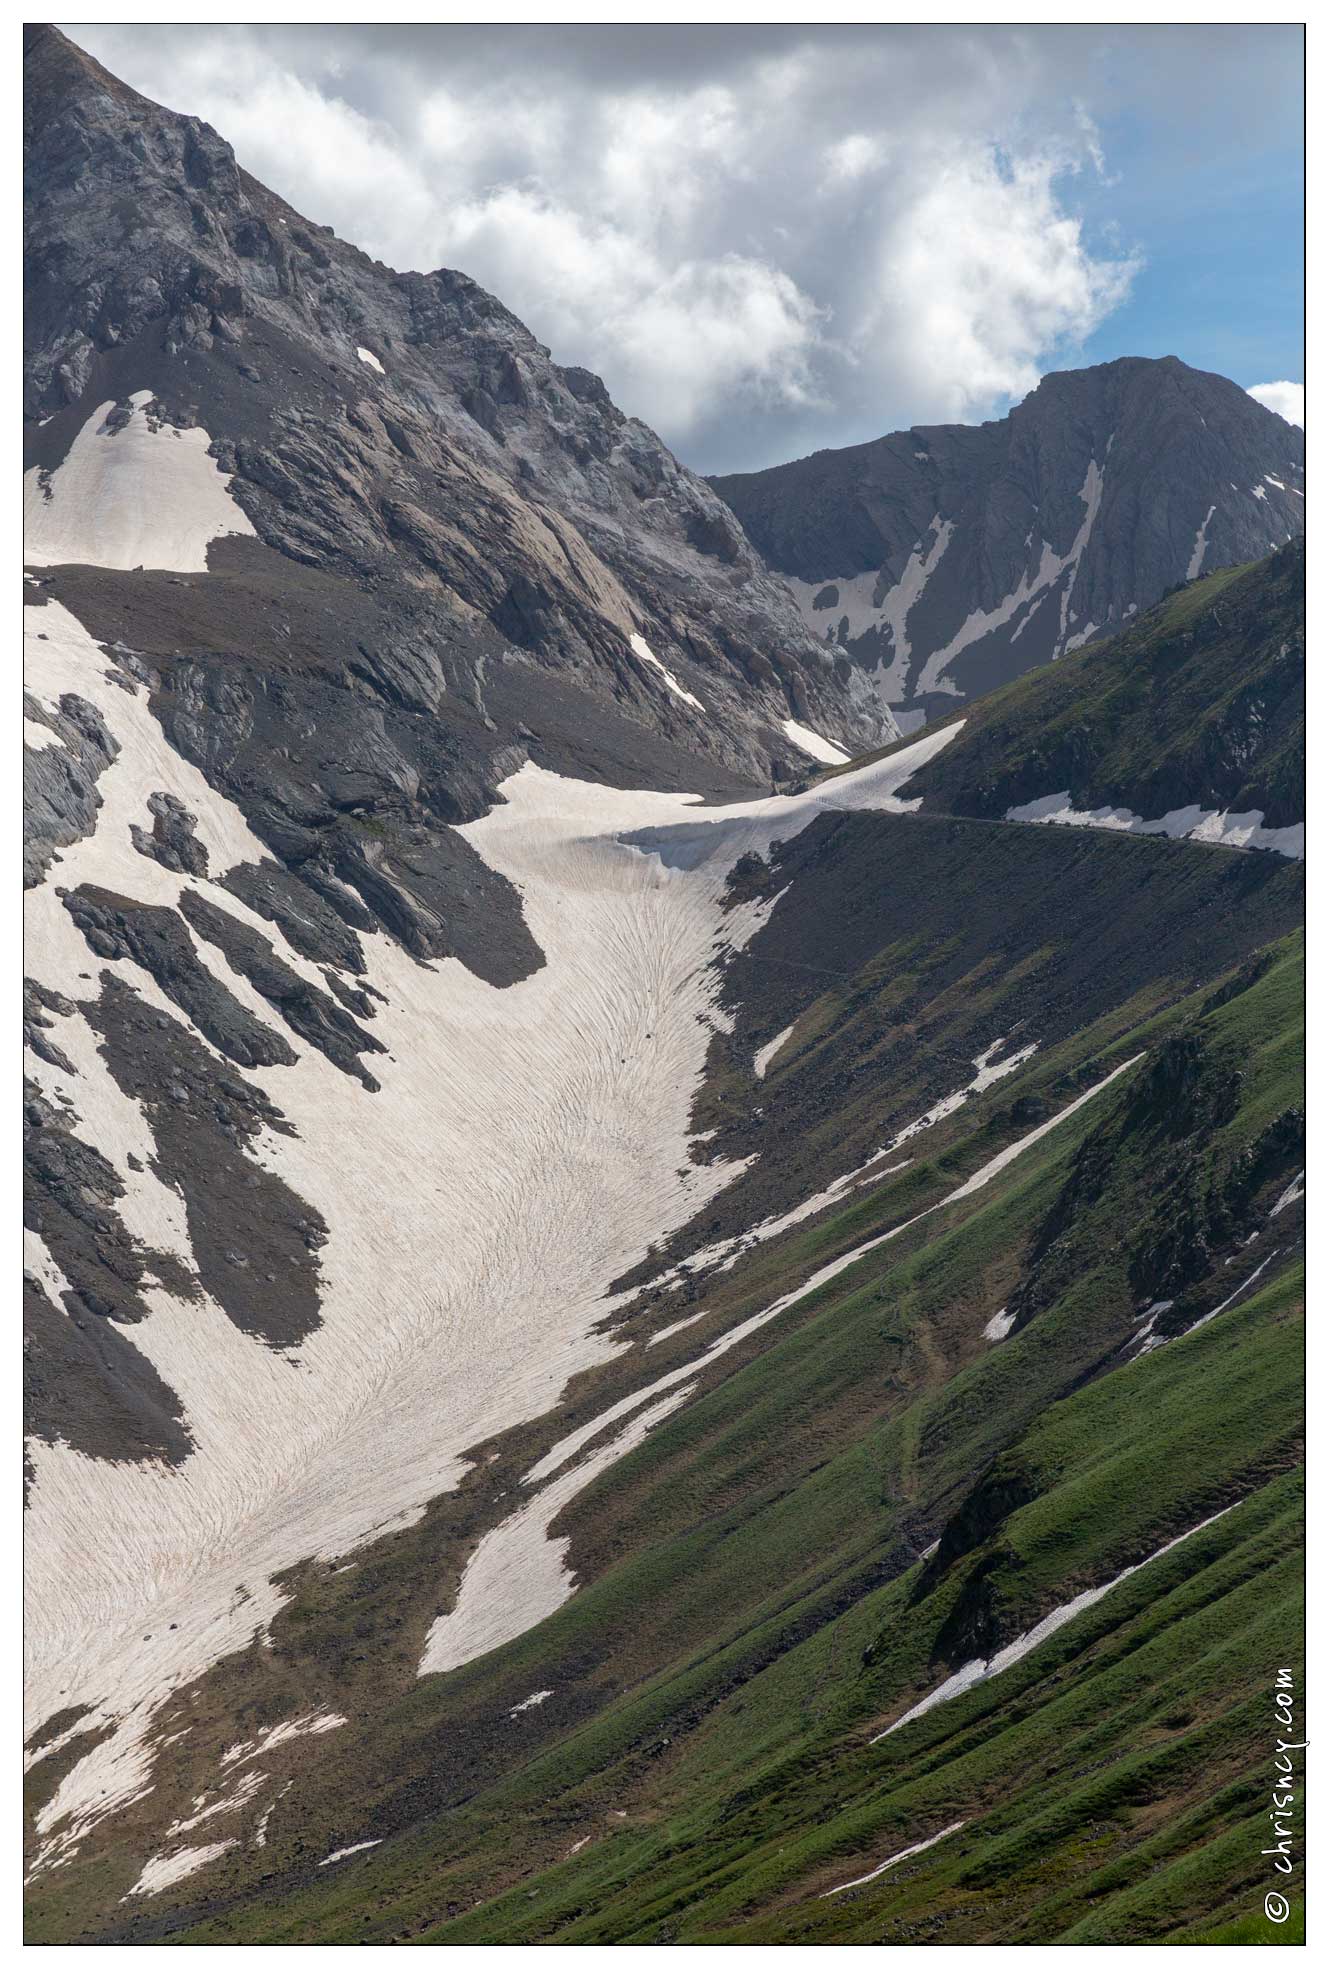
(518, 1573)
(1194, 823)
(140, 494)
(814, 744)
(503, 1116)
(642, 650)
(974, 1672)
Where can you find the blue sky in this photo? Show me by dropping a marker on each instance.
(773, 239)
(1219, 225)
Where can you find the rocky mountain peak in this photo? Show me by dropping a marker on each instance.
(403, 430)
(945, 559)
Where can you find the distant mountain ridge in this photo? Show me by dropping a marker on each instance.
(946, 559)
(1190, 723)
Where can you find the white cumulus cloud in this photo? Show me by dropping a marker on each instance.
(980, 274)
(810, 241)
(674, 336)
(1285, 399)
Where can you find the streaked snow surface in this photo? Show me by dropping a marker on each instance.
(814, 744)
(1224, 830)
(147, 495)
(344, 1852)
(166, 1868)
(571, 1446)
(895, 1859)
(974, 1672)
(1196, 561)
(642, 650)
(763, 1056)
(503, 1115)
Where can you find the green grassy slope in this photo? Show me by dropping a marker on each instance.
(757, 1589)
(899, 948)
(760, 1600)
(1200, 702)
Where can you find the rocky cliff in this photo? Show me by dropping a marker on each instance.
(947, 559)
(487, 509)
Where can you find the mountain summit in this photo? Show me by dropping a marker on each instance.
(948, 558)
(406, 435)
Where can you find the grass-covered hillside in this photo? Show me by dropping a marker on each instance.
(988, 1351)
(1200, 703)
(1050, 1352)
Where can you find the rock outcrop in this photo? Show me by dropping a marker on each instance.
(947, 559)
(403, 432)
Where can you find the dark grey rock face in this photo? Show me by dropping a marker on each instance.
(155, 938)
(85, 1384)
(947, 559)
(38, 1025)
(285, 686)
(255, 1243)
(309, 924)
(461, 464)
(171, 840)
(310, 1013)
(70, 1194)
(60, 797)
